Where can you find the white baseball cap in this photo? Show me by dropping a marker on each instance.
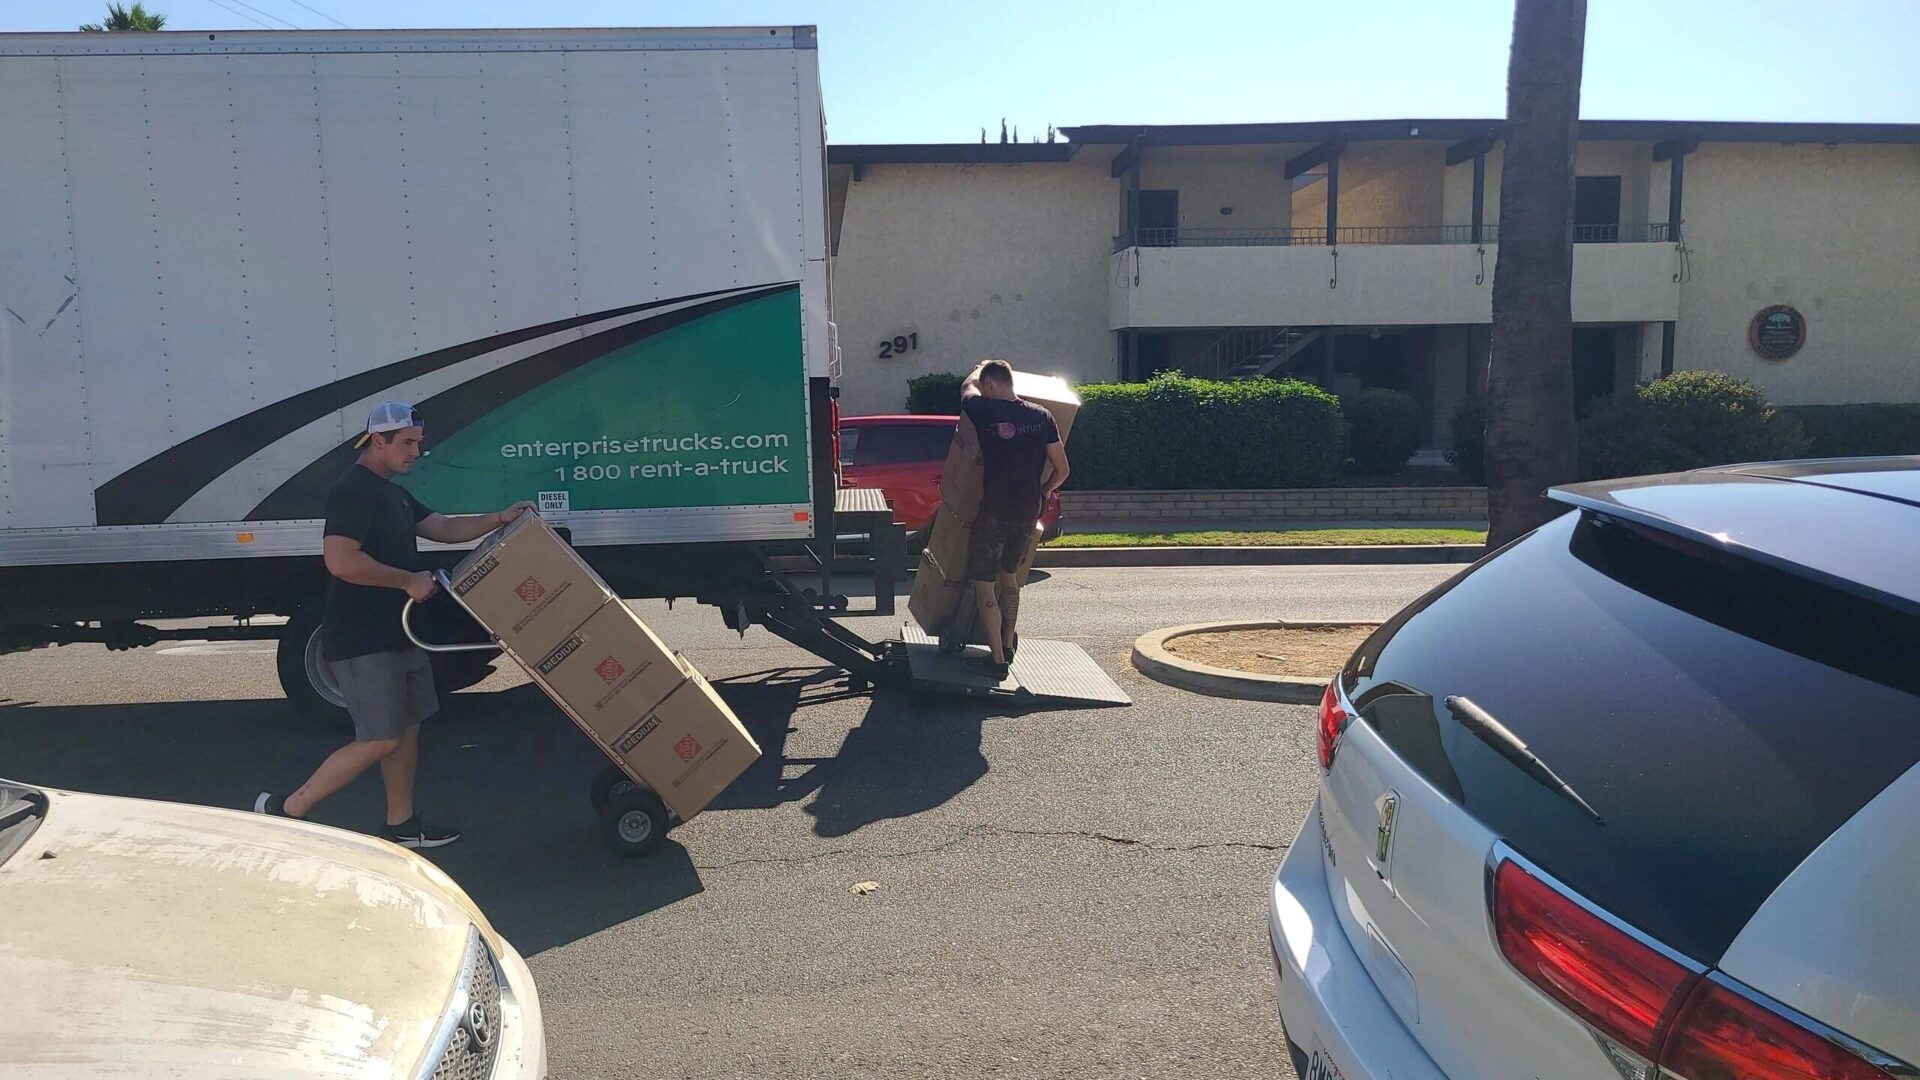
(388, 416)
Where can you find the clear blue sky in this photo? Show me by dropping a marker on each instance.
(939, 70)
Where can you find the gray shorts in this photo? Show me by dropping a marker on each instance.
(386, 692)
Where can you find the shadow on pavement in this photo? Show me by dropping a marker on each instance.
(506, 768)
(908, 755)
(513, 774)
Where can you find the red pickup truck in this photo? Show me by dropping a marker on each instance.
(902, 455)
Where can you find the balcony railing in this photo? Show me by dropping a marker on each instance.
(1377, 234)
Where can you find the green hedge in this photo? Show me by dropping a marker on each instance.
(1469, 453)
(935, 395)
(1692, 419)
(1384, 428)
(1181, 432)
(1686, 420)
(1858, 430)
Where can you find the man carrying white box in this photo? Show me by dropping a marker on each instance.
(1023, 462)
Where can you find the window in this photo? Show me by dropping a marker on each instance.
(849, 441)
(1596, 209)
(902, 444)
(1676, 690)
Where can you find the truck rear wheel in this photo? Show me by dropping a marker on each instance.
(304, 676)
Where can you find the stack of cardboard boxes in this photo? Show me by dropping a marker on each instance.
(605, 667)
(940, 584)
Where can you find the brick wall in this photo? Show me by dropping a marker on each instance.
(1084, 511)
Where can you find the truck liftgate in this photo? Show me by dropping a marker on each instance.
(1042, 672)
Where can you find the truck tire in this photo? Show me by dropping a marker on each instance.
(304, 677)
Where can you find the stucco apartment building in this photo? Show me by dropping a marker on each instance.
(1362, 254)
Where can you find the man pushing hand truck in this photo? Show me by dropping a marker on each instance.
(371, 549)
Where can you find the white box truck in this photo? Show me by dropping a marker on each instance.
(596, 260)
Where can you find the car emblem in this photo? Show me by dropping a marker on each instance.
(1389, 807)
(478, 1025)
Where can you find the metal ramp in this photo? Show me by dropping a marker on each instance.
(1044, 672)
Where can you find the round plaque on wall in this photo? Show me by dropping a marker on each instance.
(1777, 332)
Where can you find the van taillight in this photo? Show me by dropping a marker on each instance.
(1333, 721)
(1644, 1001)
(1619, 985)
(1724, 1035)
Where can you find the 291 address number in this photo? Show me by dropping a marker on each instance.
(901, 344)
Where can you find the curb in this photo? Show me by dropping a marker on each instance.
(1151, 658)
(1306, 555)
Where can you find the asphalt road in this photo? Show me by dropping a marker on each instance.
(1074, 893)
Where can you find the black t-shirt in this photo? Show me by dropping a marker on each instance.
(1014, 436)
(381, 515)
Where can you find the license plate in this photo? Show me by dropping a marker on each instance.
(1321, 1067)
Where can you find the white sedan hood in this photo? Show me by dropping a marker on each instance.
(154, 939)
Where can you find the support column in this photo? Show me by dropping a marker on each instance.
(1675, 151)
(1676, 184)
(1479, 194)
(1333, 199)
(1666, 348)
(1328, 154)
(1133, 196)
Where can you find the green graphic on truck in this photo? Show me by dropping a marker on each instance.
(708, 413)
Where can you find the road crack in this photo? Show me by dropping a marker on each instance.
(989, 830)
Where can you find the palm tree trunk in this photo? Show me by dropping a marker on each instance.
(1530, 427)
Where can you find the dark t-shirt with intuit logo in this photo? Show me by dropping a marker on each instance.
(1014, 436)
(382, 516)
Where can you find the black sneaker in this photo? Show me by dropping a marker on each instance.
(270, 804)
(415, 833)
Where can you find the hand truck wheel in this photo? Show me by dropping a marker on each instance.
(634, 822)
(611, 780)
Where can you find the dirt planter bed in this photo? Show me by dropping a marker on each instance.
(1194, 657)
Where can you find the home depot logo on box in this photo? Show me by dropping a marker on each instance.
(688, 748)
(530, 590)
(609, 670)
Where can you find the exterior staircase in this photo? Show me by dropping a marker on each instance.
(1251, 352)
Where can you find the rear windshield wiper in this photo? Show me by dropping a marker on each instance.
(1508, 745)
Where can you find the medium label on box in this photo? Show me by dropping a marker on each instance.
(476, 575)
(634, 738)
(558, 656)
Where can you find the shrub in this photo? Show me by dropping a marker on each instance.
(1469, 454)
(1623, 436)
(1858, 430)
(937, 394)
(1181, 432)
(1384, 428)
(1686, 420)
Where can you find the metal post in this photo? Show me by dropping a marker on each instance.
(1333, 198)
(1676, 180)
(1133, 194)
(1479, 194)
(1666, 345)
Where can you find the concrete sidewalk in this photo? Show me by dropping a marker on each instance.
(1163, 525)
(1260, 554)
